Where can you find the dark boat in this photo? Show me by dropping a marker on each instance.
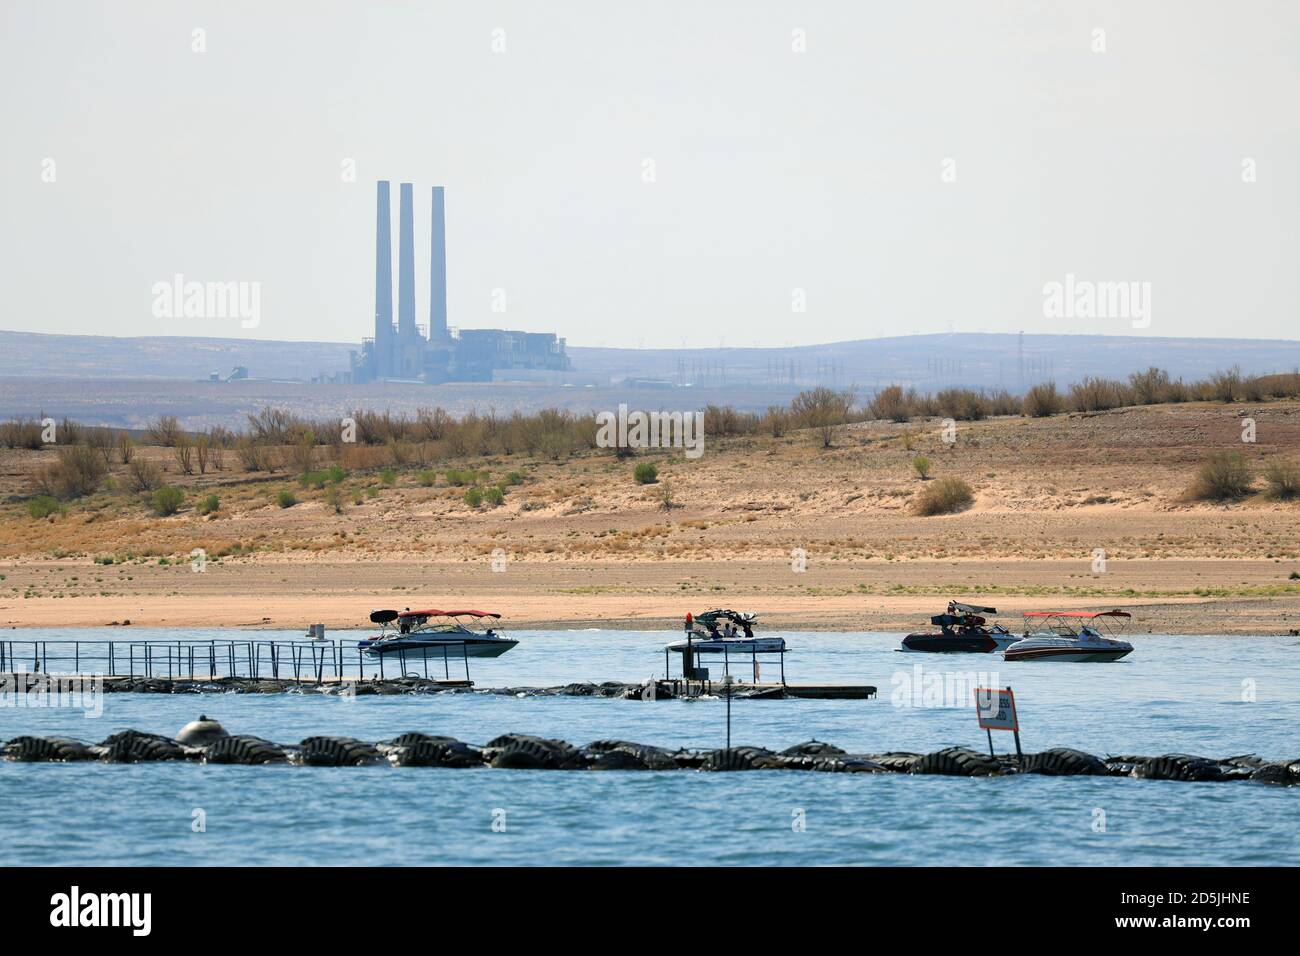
(963, 629)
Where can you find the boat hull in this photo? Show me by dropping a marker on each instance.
(742, 647)
(434, 649)
(1078, 655)
(957, 643)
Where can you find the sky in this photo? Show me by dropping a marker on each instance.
(657, 175)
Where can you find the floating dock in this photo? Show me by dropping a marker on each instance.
(28, 682)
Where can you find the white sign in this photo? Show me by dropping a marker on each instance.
(996, 709)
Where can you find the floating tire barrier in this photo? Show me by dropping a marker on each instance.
(527, 752)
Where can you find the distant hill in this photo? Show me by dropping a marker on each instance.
(978, 360)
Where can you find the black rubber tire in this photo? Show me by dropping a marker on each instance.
(957, 762)
(897, 761)
(132, 746)
(46, 749)
(812, 748)
(245, 750)
(437, 753)
(741, 758)
(413, 737)
(619, 759)
(1275, 773)
(338, 752)
(1178, 767)
(527, 754)
(1064, 762)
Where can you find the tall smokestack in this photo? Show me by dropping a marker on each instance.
(383, 278)
(438, 271)
(405, 267)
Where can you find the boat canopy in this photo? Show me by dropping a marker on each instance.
(724, 614)
(1084, 614)
(434, 612)
(955, 607)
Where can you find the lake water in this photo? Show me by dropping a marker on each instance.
(1216, 696)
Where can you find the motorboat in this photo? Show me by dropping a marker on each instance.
(436, 634)
(726, 633)
(963, 629)
(1071, 636)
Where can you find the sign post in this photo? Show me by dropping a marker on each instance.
(995, 708)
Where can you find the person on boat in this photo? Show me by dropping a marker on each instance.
(404, 625)
(728, 630)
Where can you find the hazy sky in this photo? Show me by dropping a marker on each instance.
(775, 168)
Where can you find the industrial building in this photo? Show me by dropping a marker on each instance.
(435, 353)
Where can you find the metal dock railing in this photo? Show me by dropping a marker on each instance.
(300, 660)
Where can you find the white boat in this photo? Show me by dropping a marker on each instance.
(435, 635)
(728, 634)
(1070, 636)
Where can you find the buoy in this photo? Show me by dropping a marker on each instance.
(198, 733)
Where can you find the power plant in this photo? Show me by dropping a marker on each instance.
(411, 352)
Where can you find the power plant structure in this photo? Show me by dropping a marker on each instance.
(411, 352)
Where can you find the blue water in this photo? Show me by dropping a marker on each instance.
(1174, 694)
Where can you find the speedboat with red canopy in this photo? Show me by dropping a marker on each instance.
(435, 633)
(1071, 636)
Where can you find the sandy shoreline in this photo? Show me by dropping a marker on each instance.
(646, 596)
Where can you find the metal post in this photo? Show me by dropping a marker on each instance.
(465, 651)
(990, 733)
(726, 682)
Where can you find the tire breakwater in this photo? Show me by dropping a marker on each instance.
(206, 742)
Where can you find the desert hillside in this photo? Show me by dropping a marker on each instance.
(585, 543)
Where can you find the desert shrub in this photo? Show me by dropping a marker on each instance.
(255, 456)
(1097, 394)
(125, 448)
(388, 476)
(1224, 476)
(493, 496)
(183, 449)
(1041, 401)
(208, 505)
(461, 478)
(428, 478)
(1149, 387)
(164, 430)
(42, 506)
(1283, 478)
(286, 498)
(943, 497)
(921, 465)
(513, 478)
(775, 421)
(143, 475)
(167, 500)
(334, 498)
(21, 433)
(79, 470)
(473, 496)
(962, 404)
(822, 409)
(645, 473)
(890, 404)
(1223, 386)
